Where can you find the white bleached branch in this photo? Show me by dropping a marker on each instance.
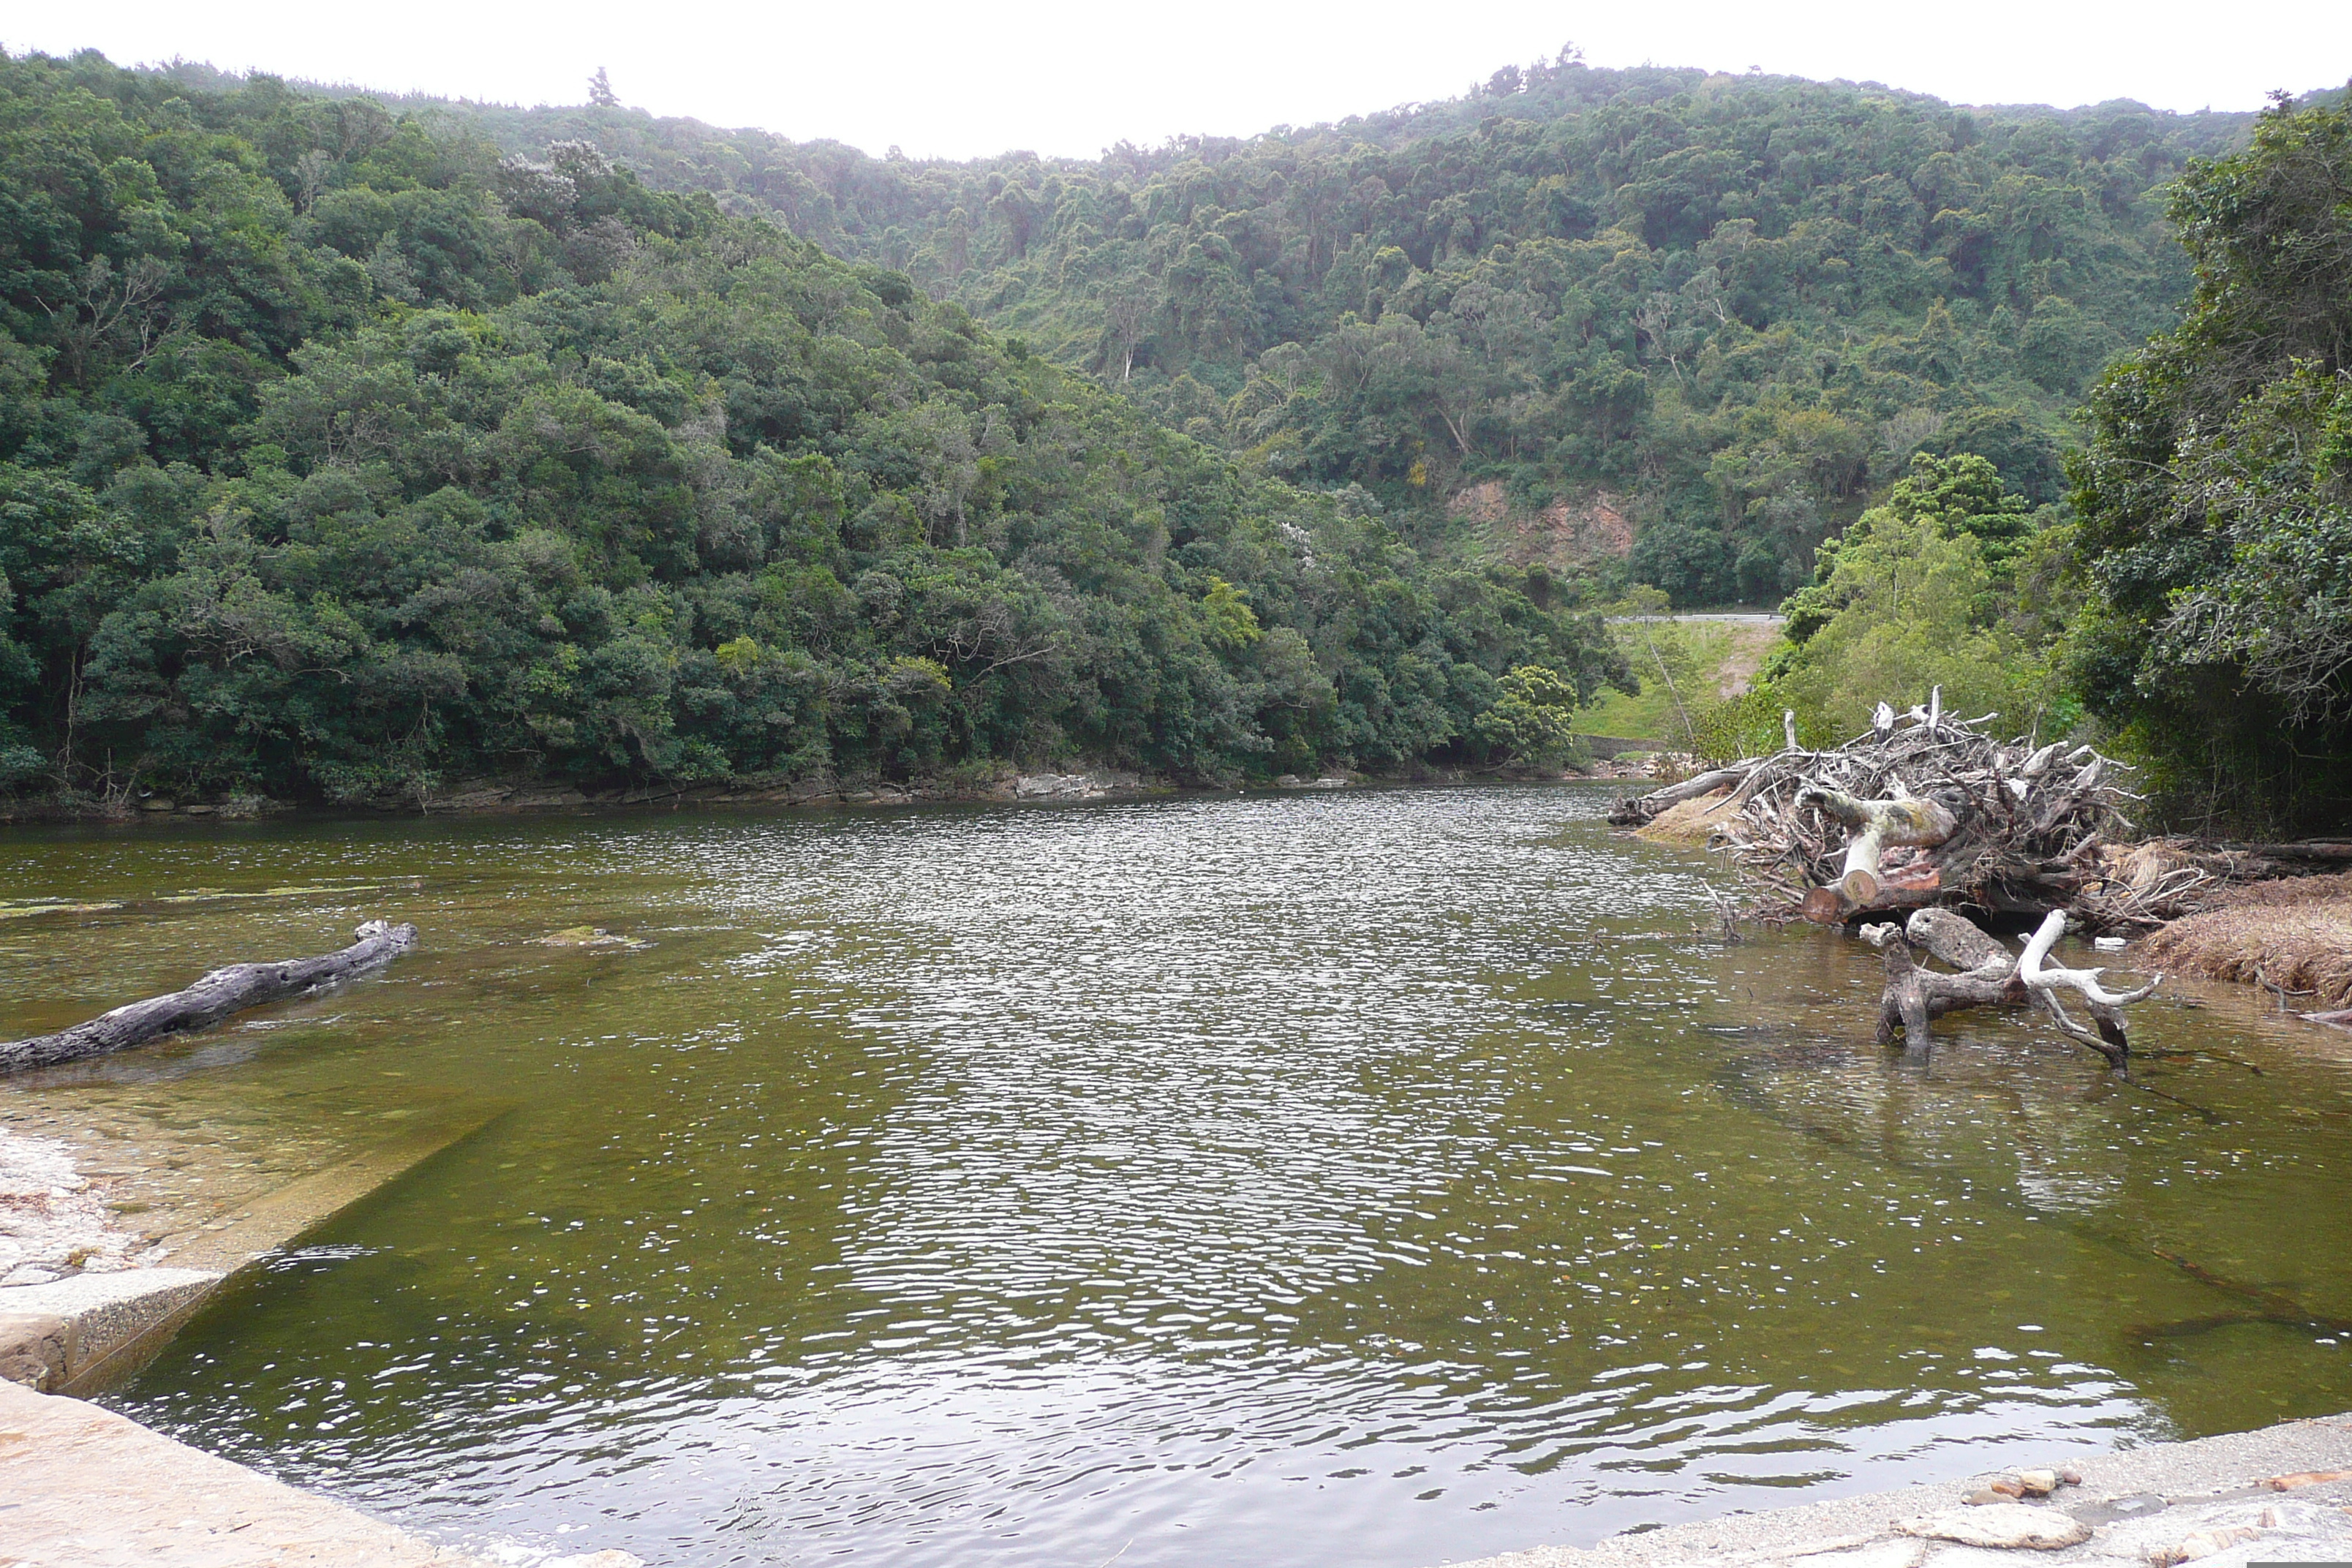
(2041, 976)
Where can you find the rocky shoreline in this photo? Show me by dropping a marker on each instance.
(2277, 1494)
(481, 797)
(513, 797)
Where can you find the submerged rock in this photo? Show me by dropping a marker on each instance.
(589, 936)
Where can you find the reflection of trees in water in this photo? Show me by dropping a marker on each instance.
(1951, 1128)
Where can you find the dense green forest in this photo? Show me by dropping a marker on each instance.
(342, 457)
(2191, 601)
(1727, 308)
(2215, 495)
(350, 447)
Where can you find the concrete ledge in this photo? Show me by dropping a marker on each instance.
(83, 1486)
(77, 1334)
(267, 1224)
(82, 1334)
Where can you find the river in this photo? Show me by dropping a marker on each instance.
(1385, 1176)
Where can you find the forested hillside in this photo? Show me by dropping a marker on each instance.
(1721, 309)
(348, 447)
(342, 457)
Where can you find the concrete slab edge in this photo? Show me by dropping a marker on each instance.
(83, 1334)
(88, 1488)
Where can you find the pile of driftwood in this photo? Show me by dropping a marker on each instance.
(1927, 809)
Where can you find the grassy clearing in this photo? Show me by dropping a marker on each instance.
(1703, 662)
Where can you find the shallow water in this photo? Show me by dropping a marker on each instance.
(1386, 1175)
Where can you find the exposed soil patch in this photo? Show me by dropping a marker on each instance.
(1562, 534)
(1743, 657)
(1688, 822)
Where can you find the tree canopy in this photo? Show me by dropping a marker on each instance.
(343, 456)
(2216, 492)
(1734, 307)
(349, 446)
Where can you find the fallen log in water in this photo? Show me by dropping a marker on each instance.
(1637, 811)
(211, 999)
(1914, 997)
(1990, 976)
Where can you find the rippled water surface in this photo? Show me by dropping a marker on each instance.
(1381, 1177)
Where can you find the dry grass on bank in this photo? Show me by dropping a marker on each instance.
(2295, 933)
(1688, 821)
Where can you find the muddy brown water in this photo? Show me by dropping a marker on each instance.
(1385, 1177)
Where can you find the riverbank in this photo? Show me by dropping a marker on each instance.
(1614, 758)
(2277, 1494)
(2290, 936)
(479, 797)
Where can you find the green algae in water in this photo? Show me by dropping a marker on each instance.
(1390, 1175)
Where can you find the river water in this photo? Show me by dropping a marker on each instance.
(1387, 1177)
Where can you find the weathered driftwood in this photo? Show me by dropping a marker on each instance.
(2106, 1007)
(1658, 800)
(1914, 997)
(1990, 976)
(2037, 972)
(211, 999)
(1876, 827)
(2031, 827)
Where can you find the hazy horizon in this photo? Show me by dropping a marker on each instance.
(1060, 80)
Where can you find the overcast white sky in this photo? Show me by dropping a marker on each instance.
(971, 78)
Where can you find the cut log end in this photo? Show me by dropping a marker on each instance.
(1823, 907)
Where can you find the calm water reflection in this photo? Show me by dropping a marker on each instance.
(1386, 1175)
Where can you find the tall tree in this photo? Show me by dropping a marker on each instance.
(2216, 493)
